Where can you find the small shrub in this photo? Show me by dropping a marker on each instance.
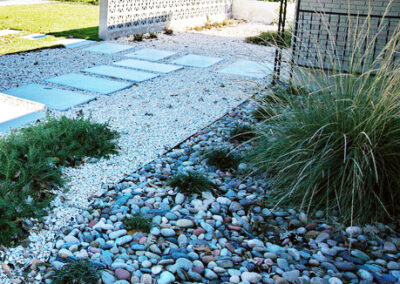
(29, 166)
(153, 35)
(272, 38)
(242, 133)
(222, 159)
(168, 31)
(77, 272)
(68, 141)
(191, 182)
(138, 222)
(138, 37)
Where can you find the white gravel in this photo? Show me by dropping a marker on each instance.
(152, 116)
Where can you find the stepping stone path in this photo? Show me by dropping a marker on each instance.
(8, 32)
(56, 99)
(144, 60)
(89, 83)
(198, 61)
(74, 42)
(121, 73)
(148, 66)
(249, 69)
(15, 112)
(151, 54)
(34, 36)
(108, 48)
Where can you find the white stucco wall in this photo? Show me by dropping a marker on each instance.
(259, 11)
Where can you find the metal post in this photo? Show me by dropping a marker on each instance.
(281, 34)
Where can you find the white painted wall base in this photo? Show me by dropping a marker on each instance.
(259, 11)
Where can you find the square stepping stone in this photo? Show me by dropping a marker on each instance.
(148, 66)
(108, 48)
(151, 54)
(53, 98)
(248, 68)
(12, 107)
(8, 32)
(198, 61)
(121, 73)
(34, 36)
(89, 83)
(74, 42)
(21, 121)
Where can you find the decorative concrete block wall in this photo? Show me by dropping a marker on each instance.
(122, 17)
(326, 27)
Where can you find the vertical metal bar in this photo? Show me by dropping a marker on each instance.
(281, 30)
(310, 34)
(295, 34)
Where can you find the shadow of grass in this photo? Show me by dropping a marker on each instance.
(91, 33)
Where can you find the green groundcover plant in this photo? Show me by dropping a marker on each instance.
(337, 147)
(30, 161)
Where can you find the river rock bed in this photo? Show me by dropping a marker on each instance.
(220, 236)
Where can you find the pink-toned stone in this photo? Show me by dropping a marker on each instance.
(122, 274)
(199, 231)
(92, 223)
(142, 240)
(207, 258)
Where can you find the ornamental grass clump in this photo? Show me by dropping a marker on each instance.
(338, 147)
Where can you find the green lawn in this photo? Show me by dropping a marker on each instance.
(60, 20)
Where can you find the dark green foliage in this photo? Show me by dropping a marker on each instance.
(222, 159)
(23, 165)
(29, 166)
(152, 35)
(338, 149)
(191, 182)
(272, 38)
(16, 203)
(242, 133)
(77, 272)
(277, 99)
(138, 222)
(168, 31)
(138, 37)
(68, 141)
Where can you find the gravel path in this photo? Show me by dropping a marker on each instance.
(152, 116)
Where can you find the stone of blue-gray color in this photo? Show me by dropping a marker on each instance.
(116, 234)
(166, 277)
(106, 259)
(148, 66)
(34, 36)
(123, 240)
(121, 73)
(150, 54)
(90, 83)
(136, 246)
(248, 68)
(108, 48)
(21, 121)
(107, 277)
(198, 61)
(122, 200)
(53, 98)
